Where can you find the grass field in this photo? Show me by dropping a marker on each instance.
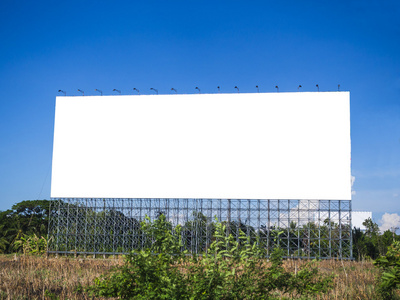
(35, 277)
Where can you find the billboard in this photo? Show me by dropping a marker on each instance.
(227, 146)
(358, 218)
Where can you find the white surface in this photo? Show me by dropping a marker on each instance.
(358, 217)
(239, 146)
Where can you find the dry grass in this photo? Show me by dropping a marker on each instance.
(33, 277)
(353, 280)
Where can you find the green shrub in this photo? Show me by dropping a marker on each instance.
(30, 244)
(152, 273)
(389, 266)
(144, 276)
(231, 269)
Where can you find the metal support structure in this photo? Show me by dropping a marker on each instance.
(302, 228)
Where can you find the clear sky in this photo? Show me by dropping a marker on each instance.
(50, 45)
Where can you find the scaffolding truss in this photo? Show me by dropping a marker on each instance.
(302, 228)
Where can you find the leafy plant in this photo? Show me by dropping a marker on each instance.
(31, 244)
(152, 273)
(25, 218)
(389, 265)
(231, 269)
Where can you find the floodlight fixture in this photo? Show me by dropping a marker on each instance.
(83, 93)
(317, 87)
(258, 90)
(277, 88)
(218, 87)
(154, 90)
(298, 88)
(197, 88)
(237, 88)
(118, 91)
(135, 89)
(338, 87)
(61, 91)
(176, 92)
(101, 92)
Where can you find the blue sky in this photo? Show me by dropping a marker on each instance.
(68, 45)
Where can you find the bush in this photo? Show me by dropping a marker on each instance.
(31, 244)
(152, 273)
(389, 266)
(231, 269)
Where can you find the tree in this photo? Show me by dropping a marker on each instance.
(25, 218)
(372, 228)
(371, 243)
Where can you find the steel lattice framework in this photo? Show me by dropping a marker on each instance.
(303, 228)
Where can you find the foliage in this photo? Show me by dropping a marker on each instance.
(3, 239)
(31, 244)
(39, 277)
(26, 218)
(389, 266)
(152, 273)
(231, 269)
(371, 243)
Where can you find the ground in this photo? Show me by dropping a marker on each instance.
(41, 277)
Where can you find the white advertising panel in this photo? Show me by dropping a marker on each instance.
(358, 218)
(239, 146)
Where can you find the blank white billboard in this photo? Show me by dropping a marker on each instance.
(358, 218)
(239, 146)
